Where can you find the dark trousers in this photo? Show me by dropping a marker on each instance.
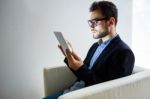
(54, 96)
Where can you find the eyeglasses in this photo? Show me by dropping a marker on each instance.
(94, 22)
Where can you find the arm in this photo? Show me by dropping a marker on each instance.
(92, 48)
(129, 87)
(121, 65)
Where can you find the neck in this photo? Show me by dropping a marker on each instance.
(111, 34)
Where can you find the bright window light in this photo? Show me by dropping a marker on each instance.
(141, 32)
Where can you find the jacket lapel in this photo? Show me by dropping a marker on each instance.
(107, 49)
(91, 54)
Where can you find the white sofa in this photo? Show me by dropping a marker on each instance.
(135, 86)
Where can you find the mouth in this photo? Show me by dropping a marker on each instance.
(93, 32)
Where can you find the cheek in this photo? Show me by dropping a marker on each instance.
(102, 27)
(99, 28)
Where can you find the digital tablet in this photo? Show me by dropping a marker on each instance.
(62, 41)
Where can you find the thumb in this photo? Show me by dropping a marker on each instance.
(75, 56)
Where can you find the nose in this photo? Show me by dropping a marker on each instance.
(92, 28)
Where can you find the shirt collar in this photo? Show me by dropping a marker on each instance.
(100, 41)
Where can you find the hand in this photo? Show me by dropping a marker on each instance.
(74, 61)
(60, 47)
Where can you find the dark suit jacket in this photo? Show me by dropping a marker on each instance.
(117, 60)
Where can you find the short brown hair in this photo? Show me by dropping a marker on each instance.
(107, 8)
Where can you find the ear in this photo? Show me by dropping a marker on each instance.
(111, 21)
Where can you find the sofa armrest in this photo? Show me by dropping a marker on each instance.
(135, 86)
(57, 78)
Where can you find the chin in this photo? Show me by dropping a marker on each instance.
(96, 36)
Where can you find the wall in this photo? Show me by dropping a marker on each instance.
(141, 32)
(27, 42)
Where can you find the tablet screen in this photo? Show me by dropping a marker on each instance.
(61, 40)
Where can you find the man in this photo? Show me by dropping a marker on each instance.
(107, 59)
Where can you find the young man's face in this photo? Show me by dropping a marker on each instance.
(98, 27)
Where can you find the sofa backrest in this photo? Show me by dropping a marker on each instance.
(137, 69)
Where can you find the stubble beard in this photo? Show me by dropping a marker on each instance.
(99, 34)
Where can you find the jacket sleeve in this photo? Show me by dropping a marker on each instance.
(88, 76)
(85, 74)
(85, 60)
(121, 66)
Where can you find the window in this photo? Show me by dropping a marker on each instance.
(141, 32)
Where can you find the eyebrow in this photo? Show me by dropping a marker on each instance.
(95, 19)
(104, 18)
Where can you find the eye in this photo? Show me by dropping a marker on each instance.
(94, 22)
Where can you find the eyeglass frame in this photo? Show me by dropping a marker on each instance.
(96, 21)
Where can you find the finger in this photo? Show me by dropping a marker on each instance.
(69, 45)
(60, 47)
(69, 56)
(74, 54)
